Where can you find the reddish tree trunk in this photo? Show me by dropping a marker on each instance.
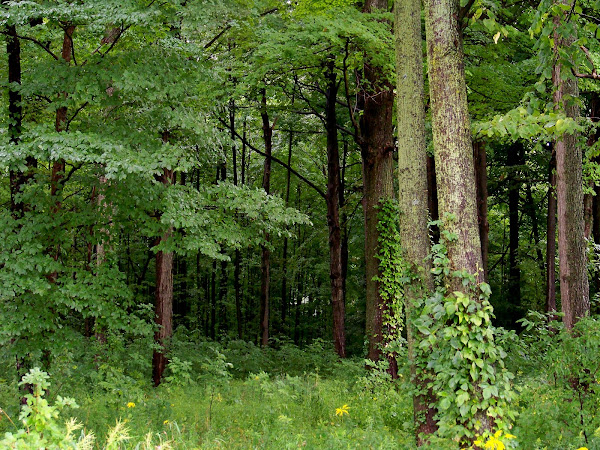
(333, 214)
(163, 296)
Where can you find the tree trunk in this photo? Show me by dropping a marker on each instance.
(377, 146)
(163, 295)
(480, 160)
(551, 237)
(452, 138)
(284, 275)
(574, 287)
(265, 264)
(58, 167)
(531, 209)
(15, 112)
(414, 196)
(333, 214)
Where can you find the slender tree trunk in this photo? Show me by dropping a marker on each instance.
(163, 294)
(551, 237)
(265, 264)
(284, 286)
(480, 161)
(414, 196)
(15, 112)
(377, 146)
(574, 287)
(333, 214)
(58, 167)
(515, 155)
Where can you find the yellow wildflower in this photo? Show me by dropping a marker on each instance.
(341, 411)
(131, 405)
(582, 448)
(166, 422)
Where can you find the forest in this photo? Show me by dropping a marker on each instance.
(300, 223)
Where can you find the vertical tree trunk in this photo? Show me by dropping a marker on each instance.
(15, 113)
(265, 264)
(284, 286)
(574, 287)
(414, 196)
(452, 138)
(480, 161)
(163, 294)
(377, 146)
(515, 155)
(551, 237)
(333, 213)
(60, 123)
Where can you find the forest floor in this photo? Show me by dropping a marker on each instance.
(290, 398)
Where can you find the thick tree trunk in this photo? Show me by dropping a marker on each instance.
(163, 296)
(265, 264)
(515, 158)
(415, 193)
(377, 146)
(574, 286)
(333, 214)
(452, 138)
(480, 161)
(551, 237)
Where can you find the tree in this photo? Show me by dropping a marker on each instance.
(574, 285)
(413, 195)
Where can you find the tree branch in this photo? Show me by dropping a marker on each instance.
(35, 41)
(273, 158)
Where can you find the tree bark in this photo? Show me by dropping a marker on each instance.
(333, 213)
(415, 194)
(452, 138)
(377, 146)
(163, 294)
(265, 264)
(574, 286)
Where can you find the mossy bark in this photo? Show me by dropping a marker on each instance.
(452, 138)
(413, 189)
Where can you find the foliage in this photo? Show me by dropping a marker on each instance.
(469, 379)
(393, 275)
